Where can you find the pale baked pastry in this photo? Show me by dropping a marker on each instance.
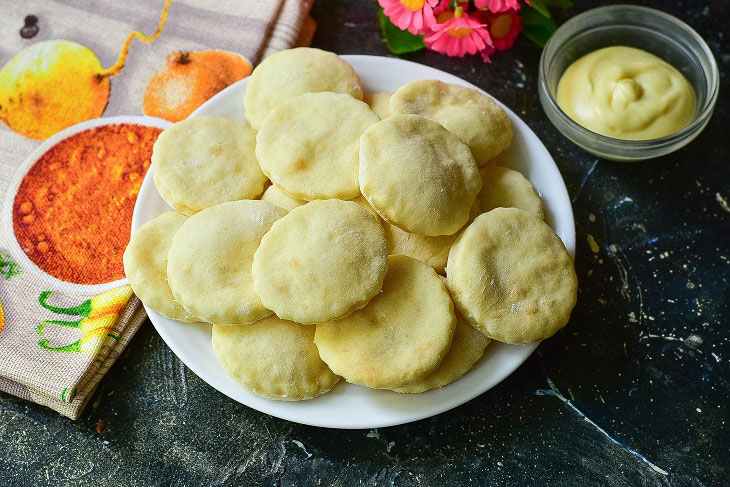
(433, 251)
(360, 200)
(467, 347)
(273, 358)
(145, 264)
(511, 277)
(378, 102)
(400, 337)
(293, 72)
(474, 117)
(504, 187)
(275, 195)
(209, 263)
(308, 145)
(203, 161)
(418, 175)
(320, 262)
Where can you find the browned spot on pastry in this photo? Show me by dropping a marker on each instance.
(300, 165)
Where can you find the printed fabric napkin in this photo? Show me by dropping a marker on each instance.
(82, 100)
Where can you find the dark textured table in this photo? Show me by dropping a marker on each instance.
(635, 391)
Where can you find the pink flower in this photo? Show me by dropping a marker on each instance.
(458, 34)
(414, 15)
(498, 5)
(504, 28)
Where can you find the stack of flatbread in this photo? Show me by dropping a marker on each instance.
(337, 268)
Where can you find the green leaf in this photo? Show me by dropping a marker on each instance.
(537, 27)
(539, 5)
(530, 16)
(537, 34)
(398, 41)
(558, 3)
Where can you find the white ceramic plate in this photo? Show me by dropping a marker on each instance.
(350, 406)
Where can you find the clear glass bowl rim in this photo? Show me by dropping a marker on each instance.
(566, 31)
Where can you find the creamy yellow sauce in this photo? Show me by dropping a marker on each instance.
(626, 93)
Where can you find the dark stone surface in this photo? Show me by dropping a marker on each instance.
(638, 378)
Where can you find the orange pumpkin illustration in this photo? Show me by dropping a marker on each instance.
(189, 79)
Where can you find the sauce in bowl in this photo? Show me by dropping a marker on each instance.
(626, 93)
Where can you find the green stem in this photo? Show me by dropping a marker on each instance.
(67, 324)
(74, 347)
(81, 310)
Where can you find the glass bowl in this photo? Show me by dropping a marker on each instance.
(645, 28)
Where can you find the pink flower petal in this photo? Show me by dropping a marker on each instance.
(440, 44)
(417, 23)
(429, 20)
(444, 39)
(496, 6)
(484, 34)
(405, 19)
(454, 48)
(473, 48)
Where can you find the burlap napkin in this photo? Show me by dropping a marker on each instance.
(66, 311)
